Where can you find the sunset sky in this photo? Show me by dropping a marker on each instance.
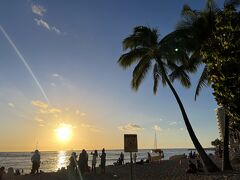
(58, 67)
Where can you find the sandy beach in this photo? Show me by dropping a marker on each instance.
(167, 169)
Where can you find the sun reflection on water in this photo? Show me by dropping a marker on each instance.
(62, 159)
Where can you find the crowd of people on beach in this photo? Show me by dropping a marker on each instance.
(79, 164)
(192, 167)
(35, 159)
(10, 172)
(82, 162)
(120, 160)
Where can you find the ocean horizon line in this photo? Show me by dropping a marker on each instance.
(117, 149)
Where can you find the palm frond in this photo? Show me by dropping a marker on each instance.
(232, 3)
(203, 81)
(188, 13)
(211, 6)
(142, 36)
(140, 72)
(130, 42)
(131, 57)
(178, 72)
(194, 61)
(155, 78)
(162, 71)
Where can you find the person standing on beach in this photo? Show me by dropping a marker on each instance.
(83, 161)
(94, 160)
(35, 162)
(122, 158)
(135, 158)
(149, 158)
(72, 165)
(103, 160)
(2, 172)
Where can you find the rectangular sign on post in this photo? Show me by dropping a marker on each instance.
(130, 143)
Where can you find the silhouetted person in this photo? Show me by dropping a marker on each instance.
(162, 155)
(135, 157)
(194, 155)
(103, 160)
(35, 162)
(94, 160)
(199, 166)
(119, 162)
(83, 161)
(149, 158)
(2, 171)
(122, 158)
(191, 168)
(72, 164)
(190, 155)
(17, 172)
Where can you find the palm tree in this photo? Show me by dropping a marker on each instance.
(146, 50)
(192, 33)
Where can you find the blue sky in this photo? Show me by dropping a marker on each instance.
(72, 48)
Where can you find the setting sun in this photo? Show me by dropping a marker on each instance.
(64, 132)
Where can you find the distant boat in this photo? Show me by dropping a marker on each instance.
(156, 154)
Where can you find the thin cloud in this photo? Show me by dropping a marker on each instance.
(181, 129)
(45, 24)
(157, 128)
(77, 112)
(40, 104)
(56, 30)
(83, 114)
(53, 84)
(42, 23)
(173, 123)
(56, 75)
(50, 111)
(38, 119)
(44, 108)
(91, 127)
(130, 128)
(54, 110)
(11, 105)
(38, 9)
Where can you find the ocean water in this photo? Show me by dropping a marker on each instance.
(53, 160)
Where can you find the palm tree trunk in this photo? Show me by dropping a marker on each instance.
(226, 165)
(209, 165)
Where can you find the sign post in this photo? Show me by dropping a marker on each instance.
(130, 145)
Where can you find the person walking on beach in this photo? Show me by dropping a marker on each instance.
(103, 160)
(35, 162)
(94, 160)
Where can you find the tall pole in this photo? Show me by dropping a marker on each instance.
(155, 140)
(131, 166)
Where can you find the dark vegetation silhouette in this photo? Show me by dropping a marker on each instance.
(196, 33)
(167, 64)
